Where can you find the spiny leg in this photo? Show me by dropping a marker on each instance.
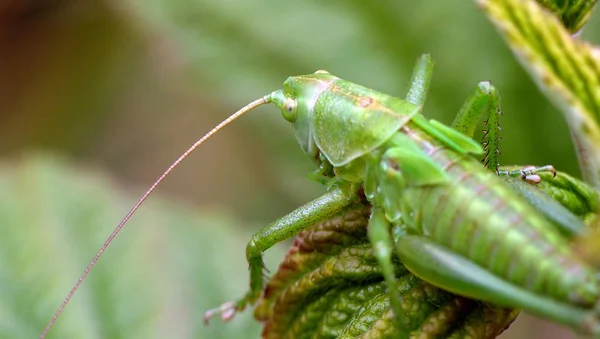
(485, 100)
(315, 211)
(383, 247)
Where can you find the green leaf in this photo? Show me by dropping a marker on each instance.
(169, 265)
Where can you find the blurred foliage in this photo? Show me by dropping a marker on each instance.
(126, 86)
(154, 282)
(573, 14)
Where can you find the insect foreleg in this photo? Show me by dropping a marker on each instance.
(284, 228)
(383, 248)
(529, 173)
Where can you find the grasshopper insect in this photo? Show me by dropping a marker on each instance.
(420, 177)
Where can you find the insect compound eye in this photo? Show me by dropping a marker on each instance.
(321, 71)
(290, 110)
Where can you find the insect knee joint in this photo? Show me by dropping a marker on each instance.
(253, 249)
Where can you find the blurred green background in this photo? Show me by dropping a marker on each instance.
(98, 97)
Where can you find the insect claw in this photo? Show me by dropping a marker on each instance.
(227, 311)
(553, 170)
(228, 314)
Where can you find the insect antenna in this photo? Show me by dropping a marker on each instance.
(234, 116)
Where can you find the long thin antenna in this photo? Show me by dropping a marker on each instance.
(224, 123)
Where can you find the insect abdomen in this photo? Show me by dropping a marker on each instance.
(478, 217)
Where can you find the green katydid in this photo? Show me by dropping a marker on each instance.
(423, 169)
(406, 164)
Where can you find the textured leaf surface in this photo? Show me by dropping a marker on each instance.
(156, 280)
